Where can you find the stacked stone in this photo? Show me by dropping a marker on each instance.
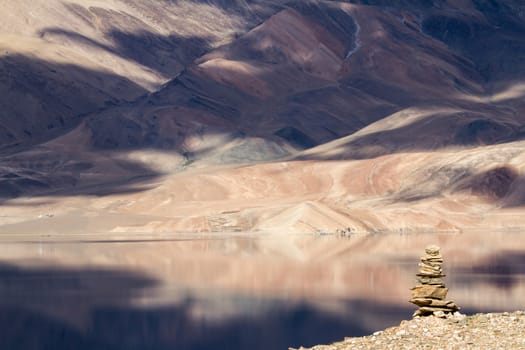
(430, 292)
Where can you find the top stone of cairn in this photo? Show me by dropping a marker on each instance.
(433, 251)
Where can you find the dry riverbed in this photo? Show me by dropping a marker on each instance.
(479, 331)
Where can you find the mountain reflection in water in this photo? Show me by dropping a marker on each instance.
(259, 292)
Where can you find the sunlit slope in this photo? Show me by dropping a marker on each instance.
(447, 190)
(62, 59)
(311, 73)
(298, 117)
(318, 71)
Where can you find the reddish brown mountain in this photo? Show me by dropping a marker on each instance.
(256, 115)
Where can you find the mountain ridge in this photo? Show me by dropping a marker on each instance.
(427, 91)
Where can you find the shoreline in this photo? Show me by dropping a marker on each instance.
(109, 236)
(455, 331)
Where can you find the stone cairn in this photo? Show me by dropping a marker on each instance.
(430, 292)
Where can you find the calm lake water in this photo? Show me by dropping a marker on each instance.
(236, 292)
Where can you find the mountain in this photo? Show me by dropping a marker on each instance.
(263, 115)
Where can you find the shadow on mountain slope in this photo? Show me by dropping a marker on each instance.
(166, 55)
(167, 36)
(42, 99)
(47, 172)
(426, 129)
(61, 94)
(494, 42)
(303, 78)
(516, 194)
(298, 103)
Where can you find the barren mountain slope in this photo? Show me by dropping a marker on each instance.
(397, 115)
(446, 190)
(315, 72)
(62, 59)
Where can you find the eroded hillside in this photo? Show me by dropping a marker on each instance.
(272, 116)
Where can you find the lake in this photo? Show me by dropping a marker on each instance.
(236, 291)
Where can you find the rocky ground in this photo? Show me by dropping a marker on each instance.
(480, 331)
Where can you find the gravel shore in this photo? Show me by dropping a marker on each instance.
(480, 331)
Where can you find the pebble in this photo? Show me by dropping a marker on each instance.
(480, 331)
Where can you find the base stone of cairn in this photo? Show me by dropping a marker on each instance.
(430, 292)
